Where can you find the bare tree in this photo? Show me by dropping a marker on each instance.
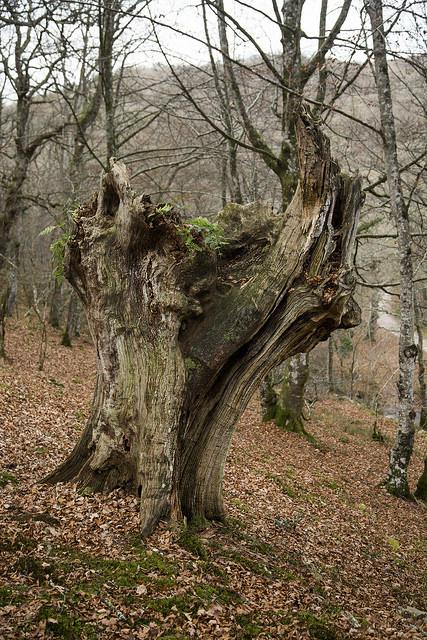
(400, 454)
(22, 31)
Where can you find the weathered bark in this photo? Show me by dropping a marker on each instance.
(185, 336)
(421, 366)
(401, 452)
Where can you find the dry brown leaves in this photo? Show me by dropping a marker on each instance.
(314, 547)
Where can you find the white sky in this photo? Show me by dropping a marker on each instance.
(185, 15)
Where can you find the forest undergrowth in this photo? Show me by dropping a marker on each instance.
(313, 547)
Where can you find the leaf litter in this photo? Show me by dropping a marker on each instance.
(313, 547)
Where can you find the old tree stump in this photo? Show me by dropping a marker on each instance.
(185, 332)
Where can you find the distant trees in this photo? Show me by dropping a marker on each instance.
(27, 65)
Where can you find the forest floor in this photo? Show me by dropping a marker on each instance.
(313, 547)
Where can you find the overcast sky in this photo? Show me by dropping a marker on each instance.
(185, 16)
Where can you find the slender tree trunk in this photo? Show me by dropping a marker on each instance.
(184, 336)
(108, 16)
(421, 366)
(55, 309)
(373, 316)
(69, 331)
(283, 399)
(8, 217)
(400, 454)
(13, 278)
(331, 378)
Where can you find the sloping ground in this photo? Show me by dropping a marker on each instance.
(314, 548)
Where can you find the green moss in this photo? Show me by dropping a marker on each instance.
(393, 544)
(61, 624)
(214, 570)
(40, 450)
(214, 593)
(17, 544)
(116, 572)
(190, 364)
(165, 605)
(241, 505)
(40, 571)
(7, 478)
(189, 540)
(249, 628)
(87, 491)
(259, 568)
(283, 486)
(331, 484)
(9, 595)
(317, 626)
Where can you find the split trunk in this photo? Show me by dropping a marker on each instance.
(185, 332)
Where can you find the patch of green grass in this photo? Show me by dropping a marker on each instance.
(332, 484)
(317, 626)
(7, 478)
(116, 572)
(40, 450)
(267, 569)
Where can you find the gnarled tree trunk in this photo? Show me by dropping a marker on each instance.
(185, 334)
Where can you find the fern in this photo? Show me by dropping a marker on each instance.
(211, 232)
(57, 249)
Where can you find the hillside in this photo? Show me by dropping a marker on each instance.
(313, 547)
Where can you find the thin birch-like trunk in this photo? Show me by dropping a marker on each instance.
(331, 378)
(400, 454)
(421, 366)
